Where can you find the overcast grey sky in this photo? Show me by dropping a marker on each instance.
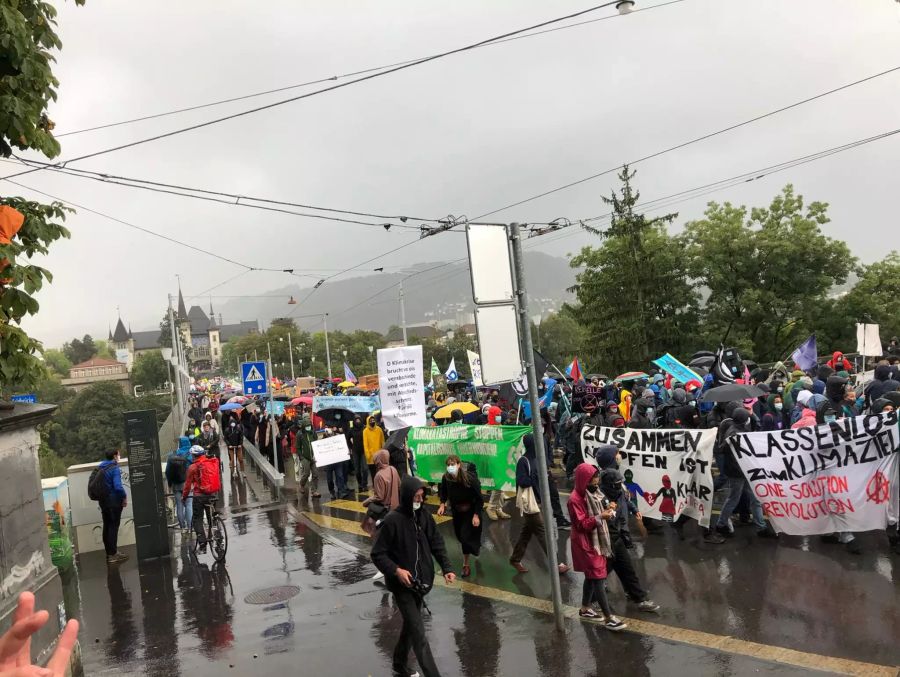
(463, 135)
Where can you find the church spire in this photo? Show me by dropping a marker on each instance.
(182, 311)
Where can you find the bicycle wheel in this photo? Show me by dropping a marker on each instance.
(219, 544)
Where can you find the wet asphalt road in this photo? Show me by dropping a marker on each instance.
(184, 616)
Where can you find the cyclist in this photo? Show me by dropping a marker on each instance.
(234, 438)
(203, 477)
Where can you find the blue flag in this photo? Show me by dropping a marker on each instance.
(805, 357)
(544, 401)
(348, 375)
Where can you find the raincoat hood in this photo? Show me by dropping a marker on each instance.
(184, 444)
(528, 443)
(611, 482)
(679, 396)
(807, 418)
(583, 475)
(803, 397)
(818, 386)
(408, 487)
(606, 456)
(879, 405)
(382, 459)
(882, 372)
(834, 388)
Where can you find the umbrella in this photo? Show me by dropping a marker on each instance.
(631, 376)
(346, 384)
(705, 361)
(731, 392)
(335, 416)
(397, 439)
(464, 407)
(231, 406)
(240, 399)
(356, 391)
(305, 399)
(281, 398)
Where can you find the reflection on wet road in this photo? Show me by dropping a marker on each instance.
(726, 611)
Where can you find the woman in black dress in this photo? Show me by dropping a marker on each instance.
(462, 490)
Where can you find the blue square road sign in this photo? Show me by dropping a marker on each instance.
(253, 374)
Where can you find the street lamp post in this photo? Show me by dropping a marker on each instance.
(372, 357)
(291, 353)
(327, 349)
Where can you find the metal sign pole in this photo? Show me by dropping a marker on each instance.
(531, 376)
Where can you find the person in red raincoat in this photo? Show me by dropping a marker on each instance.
(840, 363)
(590, 543)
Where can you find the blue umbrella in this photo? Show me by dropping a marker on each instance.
(231, 406)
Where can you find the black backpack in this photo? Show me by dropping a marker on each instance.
(98, 489)
(177, 470)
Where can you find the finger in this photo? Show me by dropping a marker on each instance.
(28, 671)
(17, 637)
(59, 663)
(24, 610)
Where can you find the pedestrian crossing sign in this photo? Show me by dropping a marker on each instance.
(253, 374)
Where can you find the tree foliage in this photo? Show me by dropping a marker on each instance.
(27, 85)
(634, 297)
(91, 422)
(766, 272)
(80, 350)
(560, 337)
(58, 362)
(150, 370)
(165, 332)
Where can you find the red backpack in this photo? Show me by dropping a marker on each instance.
(208, 480)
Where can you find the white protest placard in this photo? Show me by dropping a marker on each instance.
(475, 368)
(668, 472)
(330, 450)
(841, 476)
(400, 384)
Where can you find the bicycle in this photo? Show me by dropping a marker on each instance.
(216, 534)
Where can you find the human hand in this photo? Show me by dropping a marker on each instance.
(639, 515)
(441, 509)
(476, 521)
(15, 644)
(405, 577)
(450, 578)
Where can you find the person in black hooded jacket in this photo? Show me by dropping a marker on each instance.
(404, 551)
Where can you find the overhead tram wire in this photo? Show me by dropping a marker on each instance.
(147, 230)
(698, 139)
(370, 76)
(234, 198)
(666, 201)
(339, 77)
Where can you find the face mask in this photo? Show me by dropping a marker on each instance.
(650, 412)
(592, 488)
(779, 406)
(781, 390)
(451, 469)
(417, 505)
(830, 418)
(309, 427)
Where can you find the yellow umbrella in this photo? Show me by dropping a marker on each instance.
(464, 407)
(346, 384)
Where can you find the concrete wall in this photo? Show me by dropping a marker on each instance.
(24, 549)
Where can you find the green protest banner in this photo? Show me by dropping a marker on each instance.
(493, 449)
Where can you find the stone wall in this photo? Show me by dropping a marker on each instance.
(24, 549)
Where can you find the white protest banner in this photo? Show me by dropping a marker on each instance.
(668, 472)
(475, 368)
(400, 384)
(330, 450)
(841, 476)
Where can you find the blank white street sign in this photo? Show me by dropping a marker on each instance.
(498, 342)
(489, 264)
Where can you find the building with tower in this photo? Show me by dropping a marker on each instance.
(204, 334)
